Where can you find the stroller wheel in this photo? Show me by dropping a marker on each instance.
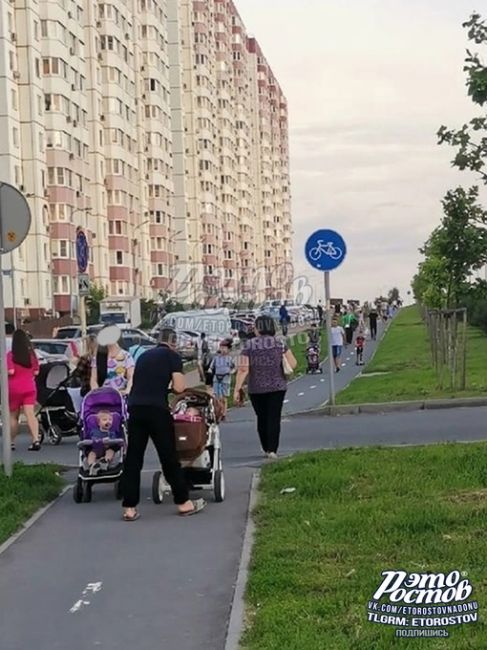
(54, 435)
(219, 486)
(157, 492)
(78, 491)
(87, 492)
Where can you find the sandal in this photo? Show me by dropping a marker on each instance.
(133, 517)
(35, 446)
(198, 506)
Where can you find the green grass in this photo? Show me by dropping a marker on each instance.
(29, 488)
(405, 356)
(319, 552)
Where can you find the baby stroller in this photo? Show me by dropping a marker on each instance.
(196, 417)
(59, 402)
(313, 360)
(100, 400)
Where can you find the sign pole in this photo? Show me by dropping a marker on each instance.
(6, 434)
(329, 317)
(82, 315)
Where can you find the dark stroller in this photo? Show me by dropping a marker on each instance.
(313, 360)
(108, 400)
(58, 400)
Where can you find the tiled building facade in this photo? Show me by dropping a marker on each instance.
(159, 128)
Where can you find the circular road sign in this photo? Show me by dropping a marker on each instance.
(15, 218)
(325, 250)
(82, 250)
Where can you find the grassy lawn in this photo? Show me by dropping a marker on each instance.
(30, 487)
(405, 356)
(319, 552)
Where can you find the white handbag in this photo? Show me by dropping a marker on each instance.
(286, 368)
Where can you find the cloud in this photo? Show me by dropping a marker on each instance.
(369, 82)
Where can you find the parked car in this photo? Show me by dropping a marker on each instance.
(74, 331)
(60, 348)
(133, 336)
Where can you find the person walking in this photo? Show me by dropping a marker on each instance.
(284, 319)
(112, 367)
(320, 313)
(222, 368)
(373, 318)
(84, 365)
(348, 326)
(23, 368)
(150, 417)
(262, 362)
(337, 343)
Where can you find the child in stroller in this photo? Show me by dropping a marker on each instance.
(102, 451)
(313, 350)
(102, 444)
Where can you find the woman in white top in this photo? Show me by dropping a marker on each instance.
(337, 343)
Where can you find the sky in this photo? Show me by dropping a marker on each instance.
(368, 83)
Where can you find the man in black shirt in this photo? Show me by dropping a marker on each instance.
(149, 416)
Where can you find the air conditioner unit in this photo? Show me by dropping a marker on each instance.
(13, 37)
(127, 36)
(26, 301)
(16, 74)
(78, 194)
(75, 123)
(100, 56)
(69, 14)
(71, 51)
(73, 87)
(102, 118)
(71, 156)
(98, 23)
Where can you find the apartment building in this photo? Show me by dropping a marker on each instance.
(158, 127)
(232, 160)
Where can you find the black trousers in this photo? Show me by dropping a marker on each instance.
(373, 328)
(157, 424)
(349, 335)
(268, 409)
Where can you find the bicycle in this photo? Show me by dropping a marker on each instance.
(325, 249)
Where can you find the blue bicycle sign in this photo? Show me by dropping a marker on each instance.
(325, 250)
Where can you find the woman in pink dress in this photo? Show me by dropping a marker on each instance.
(23, 368)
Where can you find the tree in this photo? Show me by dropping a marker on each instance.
(93, 300)
(454, 250)
(394, 295)
(471, 139)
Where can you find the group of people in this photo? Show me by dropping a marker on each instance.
(146, 382)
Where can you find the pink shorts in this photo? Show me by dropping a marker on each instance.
(17, 400)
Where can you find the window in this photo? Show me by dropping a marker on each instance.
(60, 176)
(119, 257)
(14, 100)
(15, 136)
(44, 28)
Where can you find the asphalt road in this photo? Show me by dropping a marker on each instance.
(166, 583)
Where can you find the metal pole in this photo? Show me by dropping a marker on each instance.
(329, 316)
(6, 437)
(82, 316)
(14, 302)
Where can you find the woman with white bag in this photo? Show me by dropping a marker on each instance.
(267, 362)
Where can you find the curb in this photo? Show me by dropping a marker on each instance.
(30, 522)
(394, 407)
(237, 611)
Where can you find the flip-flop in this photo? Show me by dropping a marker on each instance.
(199, 505)
(131, 518)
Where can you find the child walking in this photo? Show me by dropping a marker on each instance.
(359, 347)
(222, 367)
